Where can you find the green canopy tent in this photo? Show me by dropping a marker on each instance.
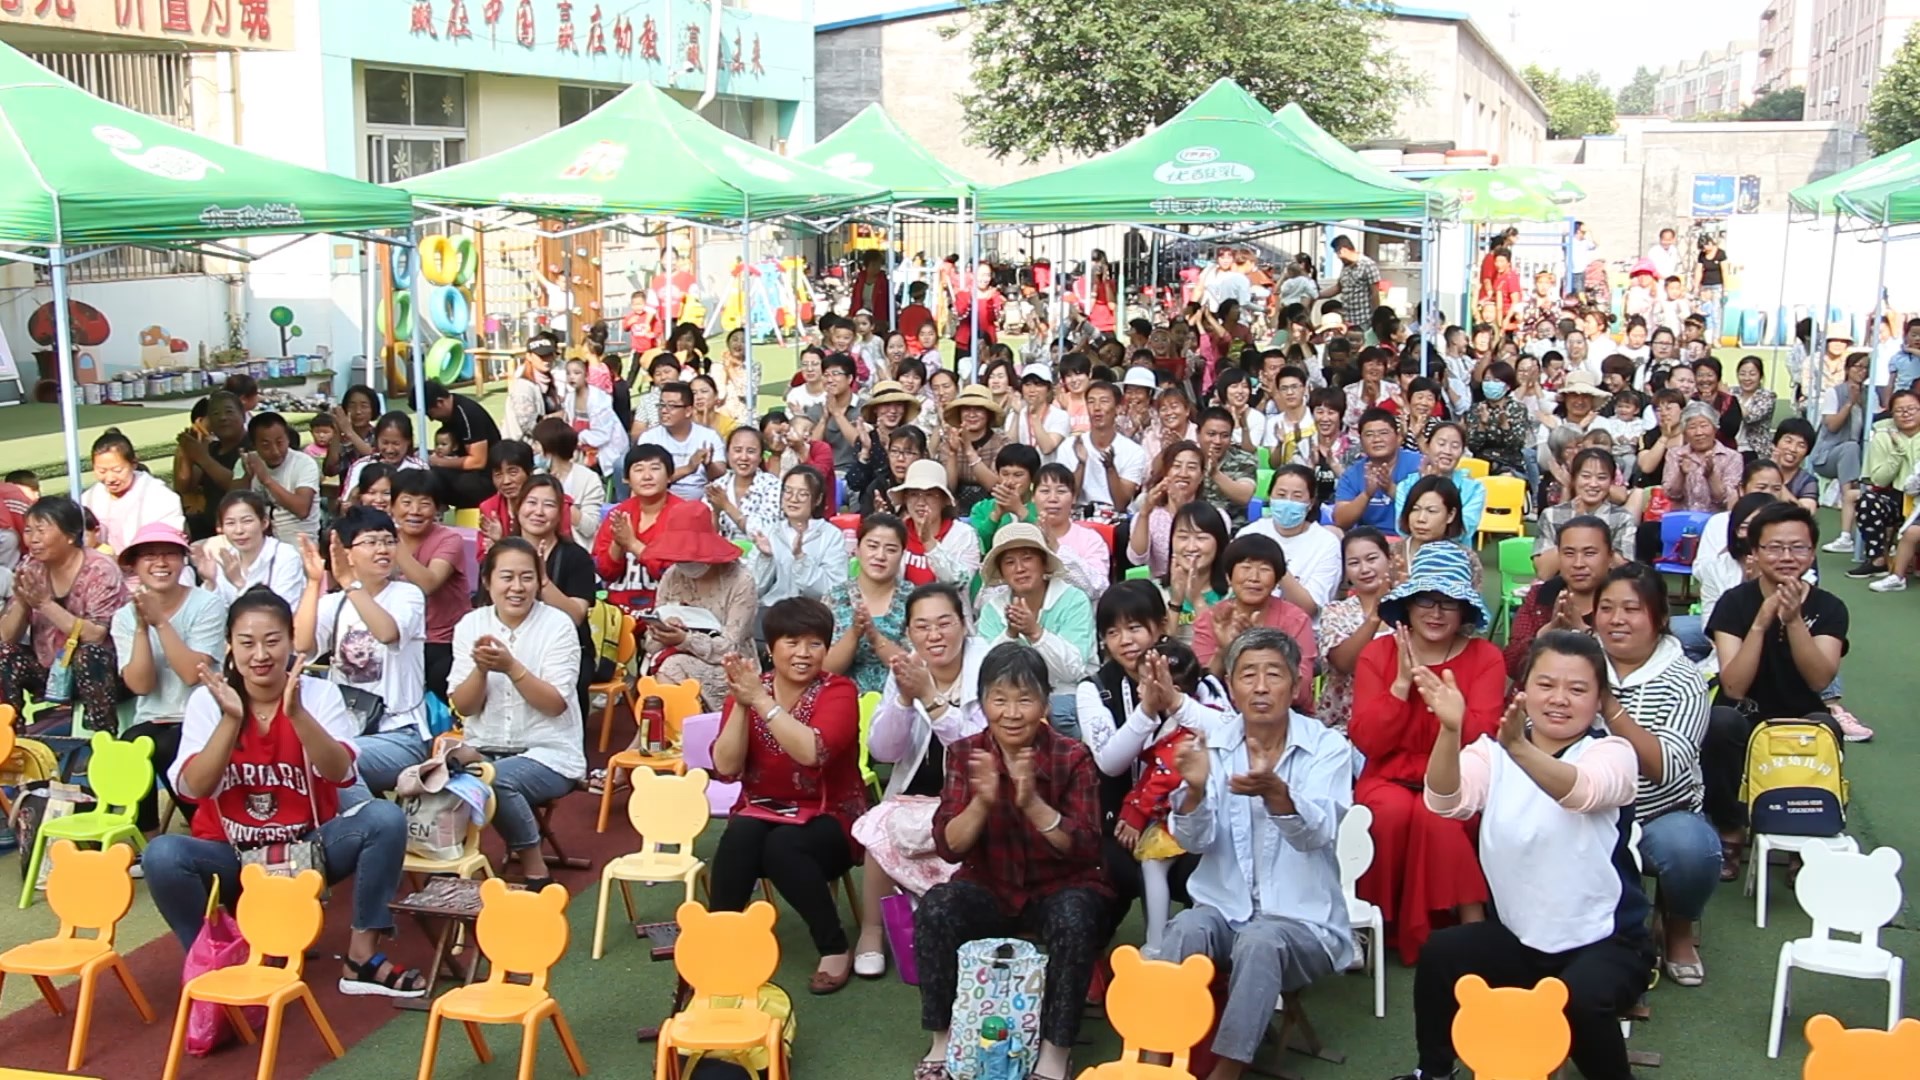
(1899, 166)
(90, 176)
(1223, 158)
(643, 154)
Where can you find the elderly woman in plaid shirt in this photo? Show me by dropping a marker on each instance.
(1020, 813)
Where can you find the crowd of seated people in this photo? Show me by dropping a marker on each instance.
(1137, 629)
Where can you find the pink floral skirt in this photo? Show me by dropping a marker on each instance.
(898, 834)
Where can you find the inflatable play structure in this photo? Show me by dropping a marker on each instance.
(778, 294)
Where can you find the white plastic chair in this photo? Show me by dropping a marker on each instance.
(1354, 848)
(1851, 893)
(1765, 844)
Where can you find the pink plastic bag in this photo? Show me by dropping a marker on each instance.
(896, 914)
(218, 945)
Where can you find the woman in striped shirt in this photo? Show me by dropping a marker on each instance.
(1660, 706)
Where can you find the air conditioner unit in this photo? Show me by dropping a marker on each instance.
(1833, 95)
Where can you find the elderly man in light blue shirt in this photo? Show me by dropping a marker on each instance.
(1260, 802)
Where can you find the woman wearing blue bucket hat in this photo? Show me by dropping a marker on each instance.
(1424, 869)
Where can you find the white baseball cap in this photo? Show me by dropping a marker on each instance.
(1141, 377)
(1037, 371)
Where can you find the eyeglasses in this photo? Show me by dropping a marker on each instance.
(1430, 603)
(1777, 551)
(935, 626)
(377, 543)
(900, 453)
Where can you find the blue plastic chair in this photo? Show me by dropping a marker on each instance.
(1675, 527)
(1255, 507)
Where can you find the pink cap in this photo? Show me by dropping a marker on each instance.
(154, 533)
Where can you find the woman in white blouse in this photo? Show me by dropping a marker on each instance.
(125, 497)
(515, 663)
(929, 702)
(747, 498)
(245, 555)
(802, 554)
(589, 411)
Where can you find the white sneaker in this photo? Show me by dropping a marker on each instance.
(1890, 583)
(1839, 545)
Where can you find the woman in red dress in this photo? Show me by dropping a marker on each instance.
(1423, 864)
(791, 738)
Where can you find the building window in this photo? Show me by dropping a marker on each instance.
(577, 101)
(416, 123)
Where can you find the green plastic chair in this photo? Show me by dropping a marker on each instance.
(1139, 573)
(1516, 573)
(1263, 481)
(121, 774)
(869, 703)
(1266, 465)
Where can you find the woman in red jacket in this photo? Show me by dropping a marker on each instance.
(1423, 863)
(620, 546)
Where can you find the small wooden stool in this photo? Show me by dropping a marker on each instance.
(455, 903)
(1291, 1030)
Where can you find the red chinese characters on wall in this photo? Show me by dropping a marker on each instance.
(422, 21)
(61, 9)
(623, 36)
(218, 20)
(695, 61)
(254, 22)
(649, 40)
(457, 24)
(565, 41)
(758, 68)
(523, 24)
(596, 33)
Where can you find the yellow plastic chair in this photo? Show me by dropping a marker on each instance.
(1514, 1032)
(7, 765)
(1158, 1008)
(280, 917)
(1841, 1053)
(89, 890)
(668, 812)
(678, 701)
(120, 774)
(471, 862)
(522, 933)
(618, 686)
(869, 704)
(468, 519)
(1477, 468)
(724, 956)
(1506, 507)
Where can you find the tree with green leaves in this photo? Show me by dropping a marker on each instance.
(1051, 76)
(1637, 97)
(1575, 107)
(1893, 116)
(1788, 104)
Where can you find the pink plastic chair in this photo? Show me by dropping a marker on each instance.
(470, 552)
(696, 747)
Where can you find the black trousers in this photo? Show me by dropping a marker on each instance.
(464, 489)
(1603, 980)
(1071, 924)
(439, 668)
(166, 747)
(1723, 763)
(802, 861)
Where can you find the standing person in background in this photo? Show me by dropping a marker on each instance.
(871, 291)
(289, 481)
(463, 474)
(1359, 286)
(530, 391)
(1665, 255)
(125, 497)
(731, 388)
(161, 640)
(1710, 273)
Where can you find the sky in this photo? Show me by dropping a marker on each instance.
(1631, 33)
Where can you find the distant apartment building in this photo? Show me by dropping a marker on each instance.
(1786, 38)
(1851, 41)
(1716, 82)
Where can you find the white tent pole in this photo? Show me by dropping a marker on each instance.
(419, 337)
(1120, 290)
(752, 388)
(1819, 358)
(973, 291)
(893, 315)
(369, 311)
(1879, 295)
(69, 386)
(1780, 312)
(1059, 290)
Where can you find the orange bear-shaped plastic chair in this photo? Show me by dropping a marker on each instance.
(521, 933)
(89, 890)
(678, 701)
(1158, 1008)
(668, 812)
(1513, 1033)
(724, 956)
(1842, 1053)
(279, 917)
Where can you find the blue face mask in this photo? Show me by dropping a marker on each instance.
(1494, 389)
(1287, 513)
(541, 462)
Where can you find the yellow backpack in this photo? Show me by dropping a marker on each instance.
(1793, 785)
(775, 1003)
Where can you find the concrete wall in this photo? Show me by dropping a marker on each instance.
(847, 77)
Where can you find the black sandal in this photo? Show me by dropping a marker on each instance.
(1730, 852)
(366, 980)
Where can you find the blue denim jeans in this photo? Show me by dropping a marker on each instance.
(1531, 456)
(520, 784)
(379, 760)
(1692, 632)
(367, 843)
(1682, 851)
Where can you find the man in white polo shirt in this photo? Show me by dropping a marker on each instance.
(699, 455)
